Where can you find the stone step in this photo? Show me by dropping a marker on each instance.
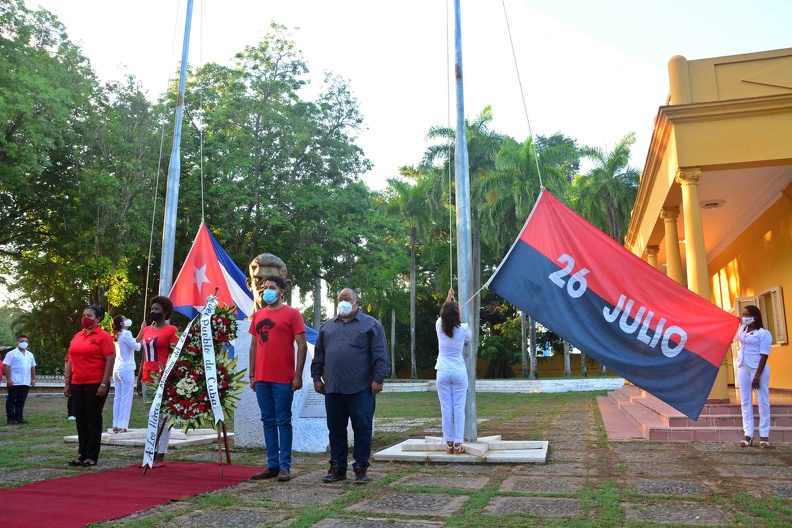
(655, 420)
(713, 415)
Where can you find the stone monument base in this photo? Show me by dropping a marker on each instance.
(491, 449)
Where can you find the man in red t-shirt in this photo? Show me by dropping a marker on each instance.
(273, 375)
(157, 339)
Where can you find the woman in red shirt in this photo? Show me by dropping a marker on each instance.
(89, 366)
(157, 339)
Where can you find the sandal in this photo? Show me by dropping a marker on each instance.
(746, 442)
(449, 448)
(88, 463)
(458, 448)
(764, 443)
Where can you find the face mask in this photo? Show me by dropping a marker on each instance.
(127, 323)
(270, 296)
(748, 320)
(87, 322)
(345, 308)
(156, 316)
(22, 345)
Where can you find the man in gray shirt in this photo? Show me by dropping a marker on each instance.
(351, 353)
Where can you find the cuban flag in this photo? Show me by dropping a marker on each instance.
(208, 267)
(615, 307)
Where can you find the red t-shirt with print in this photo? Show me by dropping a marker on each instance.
(156, 348)
(274, 332)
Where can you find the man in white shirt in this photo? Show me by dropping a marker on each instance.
(19, 367)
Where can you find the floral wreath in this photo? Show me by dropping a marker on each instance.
(185, 398)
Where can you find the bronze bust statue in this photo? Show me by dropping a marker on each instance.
(263, 266)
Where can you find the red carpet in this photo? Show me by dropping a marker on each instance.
(95, 496)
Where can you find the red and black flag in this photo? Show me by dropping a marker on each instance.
(613, 306)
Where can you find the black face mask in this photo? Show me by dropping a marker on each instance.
(156, 316)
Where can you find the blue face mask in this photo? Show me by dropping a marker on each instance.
(270, 296)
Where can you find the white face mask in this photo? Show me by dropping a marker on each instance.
(22, 345)
(345, 308)
(127, 323)
(747, 320)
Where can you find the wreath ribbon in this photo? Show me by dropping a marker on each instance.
(210, 368)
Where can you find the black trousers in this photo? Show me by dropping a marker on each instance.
(88, 411)
(15, 404)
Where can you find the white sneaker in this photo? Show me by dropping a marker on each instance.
(72, 417)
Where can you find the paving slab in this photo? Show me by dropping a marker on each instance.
(655, 456)
(540, 484)
(297, 495)
(444, 481)
(568, 455)
(780, 489)
(412, 504)
(571, 469)
(657, 470)
(373, 522)
(536, 506)
(228, 518)
(682, 488)
(744, 471)
(678, 513)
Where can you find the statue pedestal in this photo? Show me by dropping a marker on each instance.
(309, 424)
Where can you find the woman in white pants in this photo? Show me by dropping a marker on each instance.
(452, 381)
(123, 372)
(753, 374)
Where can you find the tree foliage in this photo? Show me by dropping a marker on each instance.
(269, 169)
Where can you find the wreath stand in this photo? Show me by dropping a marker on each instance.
(222, 445)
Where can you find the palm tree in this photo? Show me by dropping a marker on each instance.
(483, 147)
(605, 194)
(410, 201)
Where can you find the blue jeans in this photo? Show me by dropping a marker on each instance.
(359, 409)
(275, 401)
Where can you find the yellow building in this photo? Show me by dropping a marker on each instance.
(714, 206)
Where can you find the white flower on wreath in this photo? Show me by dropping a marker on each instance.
(185, 387)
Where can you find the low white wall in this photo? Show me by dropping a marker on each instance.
(515, 385)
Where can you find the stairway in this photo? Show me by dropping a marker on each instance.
(630, 413)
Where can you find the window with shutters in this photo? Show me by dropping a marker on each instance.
(771, 304)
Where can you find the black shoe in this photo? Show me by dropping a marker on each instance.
(22, 421)
(333, 474)
(266, 474)
(11, 421)
(360, 475)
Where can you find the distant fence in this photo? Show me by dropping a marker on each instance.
(500, 385)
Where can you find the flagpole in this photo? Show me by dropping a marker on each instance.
(174, 171)
(464, 242)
